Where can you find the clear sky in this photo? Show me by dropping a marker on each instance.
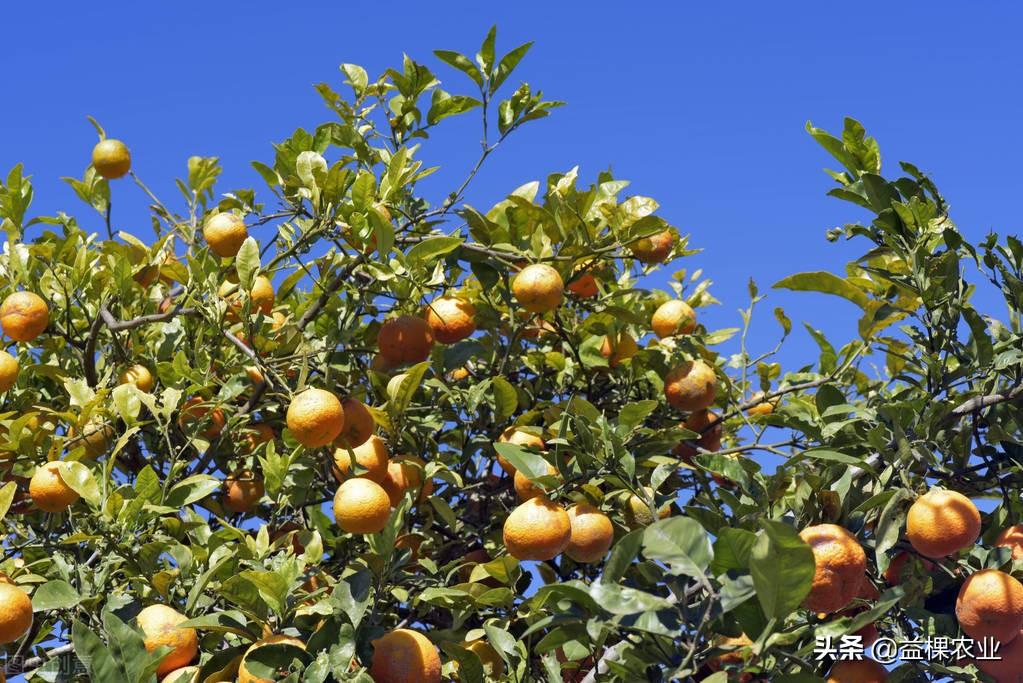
(701, 105)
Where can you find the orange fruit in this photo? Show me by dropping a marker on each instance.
(857, 671)
(840, 566)
(261, 295)
(942, 522)
(637, 513)
(255, 435)
(359, 424)
(24, 316)
(653, 249)
(458, 374)
(672, 318)
(361, 506)
(619, 349)
(519, 437)
(244, 676)
(197, 411)
(9, 369)
(111, 158)
(592, 534)
(138, 375)
(493, 665)
(242, 491)
(691, 386)
(893, 575)
(405, 473)
(405, 656)
(584, 286)
(371, 455)
(538, 288)
(15, 613)
(48, 490)
(225, 233)
(705, 423)
(451, 319)
(537, 530)
(315, 417)
(525, 489)
(96, 438)
(737, 656)
(405, 339)
(1005, 669)
(760, 409)
(188, 674)
(1012, 537)
(159, 624)
(990, 604)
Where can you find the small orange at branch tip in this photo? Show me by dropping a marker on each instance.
(15, 613)
(537, 530)
(538, 288)
(990, 605)
(672, 318)
(405, 656)
(451, 319)
(24, 316)
(405, 339)
(225, 233)
(111, 159)
(371, 456)
(691, 386)
(942, 522)
(840, 567)
(49, 491)
(160, 628)
(592, 534)
(315, 417)
(361, 506)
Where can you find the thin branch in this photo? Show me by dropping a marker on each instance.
(116, 325)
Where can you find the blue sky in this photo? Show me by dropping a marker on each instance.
(702, 108)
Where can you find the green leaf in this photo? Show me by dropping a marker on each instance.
(270, 662)
(679, 542)
(80, 479)
(826, 283)
(432, 248)
(247, 263)
(507, 65)
(506, 399)
(633, 414)
(623, 600)
(192, 489)
(485, 57)
(782, 567)
(462, 63)
(532, 465)
(444, 104)
(7, 492)
(91, 651)
(357, 77)
(732, 550)
(54, 595)
(351, 596)
(408, 386)
(127, 402)
(622, 555)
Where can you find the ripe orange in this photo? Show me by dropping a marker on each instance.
(361, 506)
(705, 423)
(737, 656)
(225, 233)
(159, 624)
(1012, 537)
(255, 435)
(857, 671)
(653, 249)
(538, 288)
(405, 473)
(371, 455)
(493, 665)
(138, 375)
(9, 369)
(458, 374)
(537, 530)
(188, 674)
(519, 437)
(242, 491)
(584, 286)
(405, 656)
(841, 566)
(760, 409)
(893, 575)
(620, 349)
(405, 339)
(315, 417)
(691, 386)
(196, 411)
(97, 436)
(942, 522)
(48, 490)
(111, 158)
(15, 613)
(637, 513)
(525, 489)
(261, 295)
(1005, 669)
(672, 318)
(359, 424)
(990, 604)
(244, 676)
(592, 534)
(24, 316)
(451, 319)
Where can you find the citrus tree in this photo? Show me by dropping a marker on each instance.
(339, 431)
